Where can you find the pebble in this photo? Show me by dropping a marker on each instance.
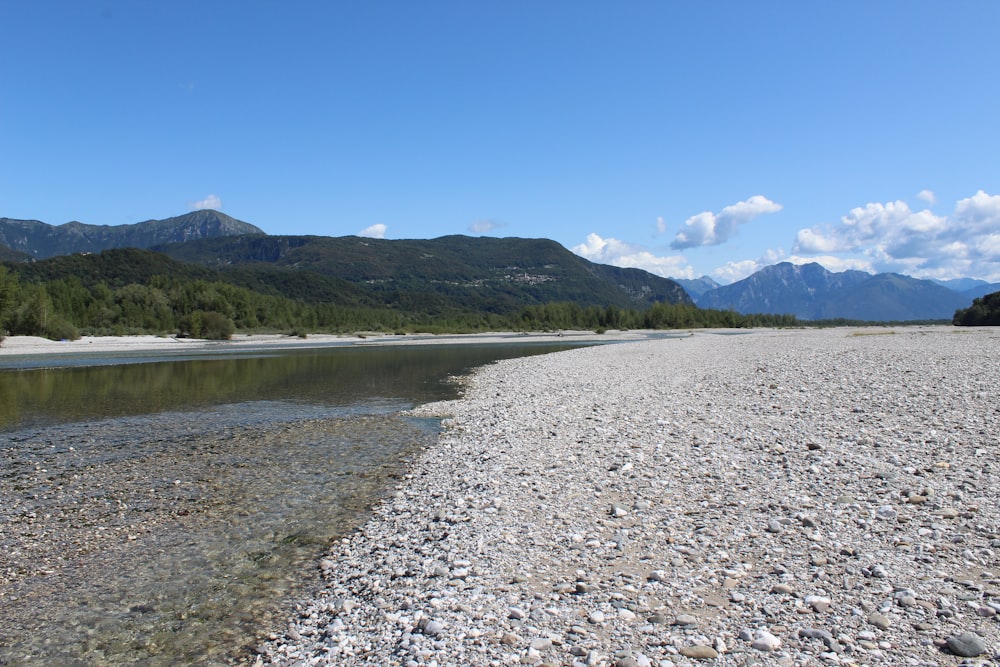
(699, 652)
(879, 621)
(967, 645)
(765, 641)
(661, 499)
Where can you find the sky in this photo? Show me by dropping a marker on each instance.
(685, 138)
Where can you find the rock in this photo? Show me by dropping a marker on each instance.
(782, 589)
(541, 644)
(818, 603)
(699, 652)
(879, 621)
(431, 627)
(765, 641)
(685, 620)
(967, 645)
(815, 633)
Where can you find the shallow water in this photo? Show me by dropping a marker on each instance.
(167, 512)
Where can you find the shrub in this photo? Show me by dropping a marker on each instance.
(207, 324)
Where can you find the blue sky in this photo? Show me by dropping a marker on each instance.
(685, 138)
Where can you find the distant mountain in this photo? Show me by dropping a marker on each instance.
(961, 284)
(697, 286)
(981, 290)
(970, 288)
(40, 240)
(493, 274)
(784, 288)
(810, 292)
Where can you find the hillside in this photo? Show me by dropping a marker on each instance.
(984, 311)
(40, 240)
(810, 292)
(9, 255)
(490, 274)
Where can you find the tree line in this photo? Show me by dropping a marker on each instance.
(68, 307)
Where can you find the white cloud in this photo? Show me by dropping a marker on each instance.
(626, 255)
(484, 226)
(927, 196)
(374, 231)
(730, 272)
(892, 237)
(661, 226)
(709, 228)
(211, 202)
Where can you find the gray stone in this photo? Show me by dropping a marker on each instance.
(967, 645)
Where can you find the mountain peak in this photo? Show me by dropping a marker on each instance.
(811, 292)
(41, 240)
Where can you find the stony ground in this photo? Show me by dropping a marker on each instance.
(774, 498)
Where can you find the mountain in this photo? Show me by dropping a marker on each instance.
(697, 286)
(810, 292)
(40, 240)
(493, 274)
(970, 288)
(981, 290)
(891, 296)
(962, 284)
(784, 288)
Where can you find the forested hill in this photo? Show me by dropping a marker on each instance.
(40, 240)
(485, 273)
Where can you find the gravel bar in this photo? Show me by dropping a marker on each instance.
(806, 497)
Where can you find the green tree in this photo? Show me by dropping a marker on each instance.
(8, 285)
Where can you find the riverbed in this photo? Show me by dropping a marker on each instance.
(162, 511)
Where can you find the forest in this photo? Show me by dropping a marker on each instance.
(134, 299)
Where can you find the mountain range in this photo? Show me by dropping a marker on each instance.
(484, 274)
(492, 273)
(39, 240)
(811, 292)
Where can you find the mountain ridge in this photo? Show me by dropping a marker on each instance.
(496, 270)
(811, 292)
(40, 240)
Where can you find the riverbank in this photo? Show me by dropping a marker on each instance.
(779, 497)
(19, 346)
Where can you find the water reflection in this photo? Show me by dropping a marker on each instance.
(326, 377)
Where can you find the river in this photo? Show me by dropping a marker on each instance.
(161, 511)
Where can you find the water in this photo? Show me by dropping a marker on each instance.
(168, 512)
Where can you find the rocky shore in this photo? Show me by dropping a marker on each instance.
(820, 497)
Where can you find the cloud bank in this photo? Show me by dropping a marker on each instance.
(374, 231)
(709, 228)
(211, 202)
(893, 237)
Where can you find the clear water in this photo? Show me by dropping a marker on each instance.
(169, 512)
